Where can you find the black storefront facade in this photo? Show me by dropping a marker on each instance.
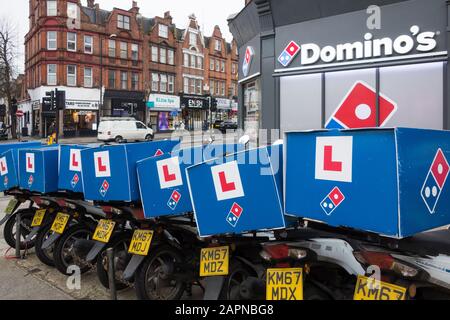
(195, 111)
(122, 103)
(348, 64)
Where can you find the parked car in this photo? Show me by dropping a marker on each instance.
(228, 125)
(123, 129)
(217, 124)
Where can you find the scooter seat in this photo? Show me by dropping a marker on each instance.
(428, 243)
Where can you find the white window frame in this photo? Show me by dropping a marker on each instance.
(192, 85)
(163, 55)
(222, 89)
(52, 10)
(192, 39)
(135, 79)
(163, 31)
(192, 61)
(198, 86)
(163, 83)
(134, 52)
(218, 65)
(124, 80)
(186, 60)
(199, 62)
(155, 54)
(155, 82)
(123, 22)
(211, 87)
(122, 43)
(86, 44)
(112, 49)
(211, 64)
(171, 83)
(71, 76)
(186, 85)
(72, 10)
(218, 45)
(88, 78)
(52, 75)
(171, 57)
(55, 40)
(72, 42)
(222, 66)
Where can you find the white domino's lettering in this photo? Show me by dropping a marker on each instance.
(3, 166)
(29, 164)
(75, 160)
(227, 181)
(169, 173)
(102, 164)
(334, 158)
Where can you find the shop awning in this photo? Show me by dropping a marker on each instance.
(124, 95)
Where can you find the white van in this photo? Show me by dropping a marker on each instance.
(123, 129)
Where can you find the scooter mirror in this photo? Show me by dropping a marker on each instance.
(244, 139)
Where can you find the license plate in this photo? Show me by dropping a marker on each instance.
(214, 261)
(104, 230)
(284, 284)
(11, 205)
(38, 218)
(141, 241)
(371, 289)
(60, 222)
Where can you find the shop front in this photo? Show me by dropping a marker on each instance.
(341, 70)
(25, 122)
(123, 103)
(164, 113)
(80, 118)
(224, 109)
(195, 112)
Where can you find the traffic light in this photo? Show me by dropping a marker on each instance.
(60, 99)
(48, 102)
(213, 104)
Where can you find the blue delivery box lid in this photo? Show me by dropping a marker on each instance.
(9, 155)
(70, 177)
(388, 181)
(109, 172)
(238, 193)
(162, 180)
(38, 169)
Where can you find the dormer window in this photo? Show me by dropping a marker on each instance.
(192, 39)
(123, 22)
(218, 45)
(72, 10)
(163, 31)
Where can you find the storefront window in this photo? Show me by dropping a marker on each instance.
(80, 122)
(252, 105)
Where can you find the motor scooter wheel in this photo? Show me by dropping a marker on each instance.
(44, 255)
(238, 273)
(64, 253)
(120, 243)
(154, 278)
(9, 231)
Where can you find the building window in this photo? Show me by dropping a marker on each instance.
(123, 50)
(222, 66)
(211, 64)
(163, 31)
(218, 45)
(217, 65)
(171, 57)
(71, 75)
(123, 22)
(211, 87)
(217, 88)
(186, 85)
(192, 61)
(192, 86)
(134, 52)
(134, 81)
(124, 80)
(171, 86)
(51, 40)
(163, 85)
(51, 74)
(155, 82)
(186, 60)
(192, 39)
(112, 79)
(198, 86)
(233, 68)
(112, 48)
(52, 8)
(162, 55)
(222, 89)
(88, 77)
(71, 41)
(72, 10)
(200, 62)
(154, 54)
(88, 44)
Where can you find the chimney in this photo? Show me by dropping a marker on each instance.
(135, 7)
(168, 17)
(91, 4)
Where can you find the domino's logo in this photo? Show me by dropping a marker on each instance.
(332, 201)
(289, 53)
(435, 181)
(248, 58)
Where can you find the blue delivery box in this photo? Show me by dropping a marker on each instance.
(162, 180)
(9, 163)
(388, 181)
(38, 169)
(70, 178)
(238, 193)
(109, 172)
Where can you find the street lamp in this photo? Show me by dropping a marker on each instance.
(100, 108)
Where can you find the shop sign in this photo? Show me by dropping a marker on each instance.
(82, 105)
(249, 53)
(195, 102)
(223, 104)
(163, 101)
(36, 105)
(311, 53)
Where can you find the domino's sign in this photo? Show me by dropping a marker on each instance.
(369, 48)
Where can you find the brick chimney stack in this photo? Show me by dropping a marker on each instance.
(91, 4)
(168, 17)
(135, 7)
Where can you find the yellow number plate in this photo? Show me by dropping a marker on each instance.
(104, 230)
(38, 218)
(371, 289)
(214, 261)
(284, 284)
(140, 243)
(11, 205)
(60, 222)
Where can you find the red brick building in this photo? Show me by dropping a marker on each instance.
(118, 63)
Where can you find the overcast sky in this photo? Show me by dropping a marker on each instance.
(209, 13)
